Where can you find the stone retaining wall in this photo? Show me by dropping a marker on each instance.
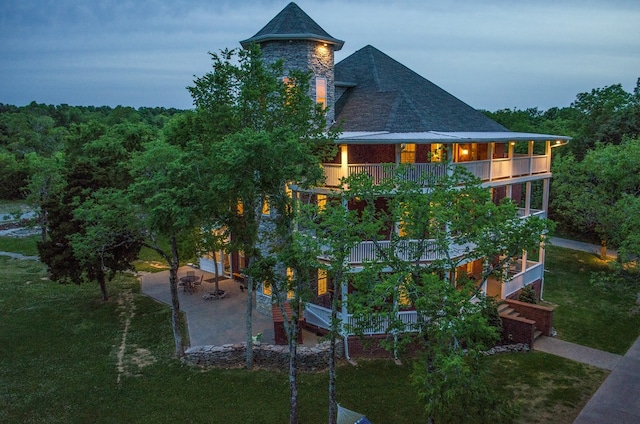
(265, 356)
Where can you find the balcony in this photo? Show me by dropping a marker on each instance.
(423, 251)
(486, 170)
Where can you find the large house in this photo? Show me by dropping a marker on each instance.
(390, 114)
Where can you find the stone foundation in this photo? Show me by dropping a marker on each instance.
(265, 356)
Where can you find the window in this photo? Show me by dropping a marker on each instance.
(266, 289)
(408, 153)
(290, 278)
(321, 201)
(322, 282)
(321, 91)
(437, 153)
(265, 207)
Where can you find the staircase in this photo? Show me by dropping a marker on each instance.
(516, 327)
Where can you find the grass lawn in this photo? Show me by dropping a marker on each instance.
(63, 360)
(600, 314)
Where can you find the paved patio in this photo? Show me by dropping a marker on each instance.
(214, 321)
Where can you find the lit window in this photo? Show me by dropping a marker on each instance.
(266, 289)
(290, 280)
(265, 207)
(321, 91)
(437, 153)
(322, 282)
(322, 201)
(408, 153)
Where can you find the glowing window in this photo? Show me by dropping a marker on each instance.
(266, 289)
(322, 282)
(322, 201)
(321, 91)
(265, 207)
(408, 153)
(290, 280)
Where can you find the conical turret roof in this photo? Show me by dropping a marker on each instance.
(292, 23)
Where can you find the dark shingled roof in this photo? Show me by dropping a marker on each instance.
(391, 97)
(292, 23)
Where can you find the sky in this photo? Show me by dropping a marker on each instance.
(492, 54)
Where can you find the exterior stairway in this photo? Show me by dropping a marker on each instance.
(524, 322)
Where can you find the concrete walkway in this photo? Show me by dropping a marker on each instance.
(617, 401)
(578, 353)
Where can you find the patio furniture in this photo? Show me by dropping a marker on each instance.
(197, 283)
(188, 282)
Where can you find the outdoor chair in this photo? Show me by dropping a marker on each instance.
(198, 283)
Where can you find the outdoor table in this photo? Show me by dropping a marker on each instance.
(187, 282)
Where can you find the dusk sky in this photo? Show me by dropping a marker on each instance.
(492, 54)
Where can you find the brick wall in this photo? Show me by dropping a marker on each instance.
(542, 315)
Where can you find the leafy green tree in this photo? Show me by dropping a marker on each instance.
(262, 135)
(594, 196)
(168, 202)
(71, 250)
(454, 222)
(45, 183)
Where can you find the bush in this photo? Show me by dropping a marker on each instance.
(528, 295)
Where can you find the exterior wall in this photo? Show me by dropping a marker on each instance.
(542, 315)
(264, 356)
(306, 55)
(372, 153)
(518, 330)
(537, 287)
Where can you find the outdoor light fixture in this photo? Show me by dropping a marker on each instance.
(464, 152)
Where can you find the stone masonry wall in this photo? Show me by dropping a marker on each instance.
(306, 55)
(265, 356)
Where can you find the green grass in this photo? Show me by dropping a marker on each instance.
(600, 314)
(59, 353)
(546, 388)
(24, 245)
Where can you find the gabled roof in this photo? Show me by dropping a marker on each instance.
(292, 23)
(390, 97)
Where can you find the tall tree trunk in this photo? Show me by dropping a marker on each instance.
(293, 367)
(217, 274)
(176, 323)
(333, 405)
(248, 322)
(103, 285)
(603, 249)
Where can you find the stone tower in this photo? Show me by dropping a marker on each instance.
(303, 45)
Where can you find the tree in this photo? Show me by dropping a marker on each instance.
(263, 134)
(452, 222)
(596, 195)
(45, 182)
(93, 160)
(333, 230)
(167, 203)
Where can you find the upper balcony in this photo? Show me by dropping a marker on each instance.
(488, 161)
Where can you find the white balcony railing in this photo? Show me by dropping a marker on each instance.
(514, 283)
(486, 170)
(407, 250)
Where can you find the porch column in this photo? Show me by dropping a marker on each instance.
(344, 160)
(530, 152)
(527, 200)
(545, 196)
(490, 157)
(524, 261)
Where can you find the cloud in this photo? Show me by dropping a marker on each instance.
(491, 54)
